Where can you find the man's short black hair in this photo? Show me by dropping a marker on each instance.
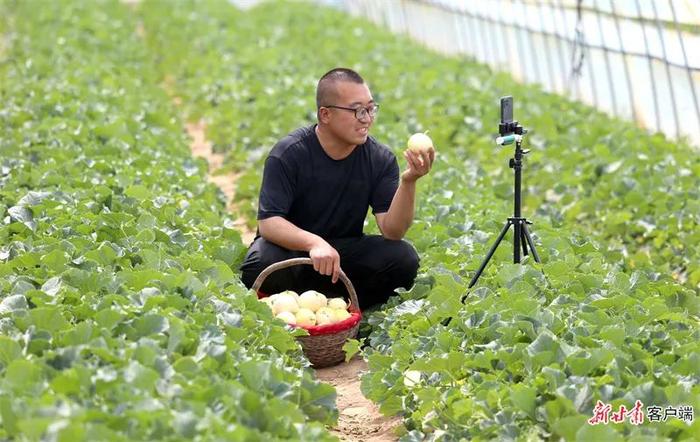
(325, 91)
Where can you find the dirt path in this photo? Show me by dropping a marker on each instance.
(201, 147)
(360, 419)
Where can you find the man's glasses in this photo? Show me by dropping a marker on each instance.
(360, 112)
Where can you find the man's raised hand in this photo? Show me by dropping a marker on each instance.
(419, 163)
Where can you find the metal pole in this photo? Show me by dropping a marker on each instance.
(651, 69)
(505, 35)
(565, 22)
(687, 66)
(538, 75)
(560, 50)
(517, 233)
(522, 60)
(473, 40)
(668, 69)
(633, 104)
(548, 44)
(606, 54)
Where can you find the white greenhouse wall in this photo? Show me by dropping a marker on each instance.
(640, 57)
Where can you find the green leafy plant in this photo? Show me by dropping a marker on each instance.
(118, 271)
(121, 313)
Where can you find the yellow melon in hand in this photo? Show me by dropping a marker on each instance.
(419, 142)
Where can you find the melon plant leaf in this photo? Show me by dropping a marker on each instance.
(9, 350)
(13, 303)
(23, 215)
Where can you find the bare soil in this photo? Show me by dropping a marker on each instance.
(360, 419)
(201, 147)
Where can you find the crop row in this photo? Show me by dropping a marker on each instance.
(121, 313)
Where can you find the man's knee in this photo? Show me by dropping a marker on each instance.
(406, 257)
(399, 269)
(409, 261)
(261, 255)
(380, 255)
(403, 262)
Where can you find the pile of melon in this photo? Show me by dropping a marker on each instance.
(309, 309)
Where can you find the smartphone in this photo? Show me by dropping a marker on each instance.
(507, 109)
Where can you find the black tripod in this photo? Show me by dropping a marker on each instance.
(511, 132)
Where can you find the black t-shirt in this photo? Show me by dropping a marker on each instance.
(328, 197)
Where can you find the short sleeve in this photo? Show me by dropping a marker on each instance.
(387, 183)
(277, 189)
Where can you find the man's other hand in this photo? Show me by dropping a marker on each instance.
(326, 260)
(419, 164)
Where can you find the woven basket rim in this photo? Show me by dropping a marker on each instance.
(322, 349)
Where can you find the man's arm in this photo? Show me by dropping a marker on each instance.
(278, 230)
(395, 222)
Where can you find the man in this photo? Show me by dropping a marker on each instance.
(318, 183)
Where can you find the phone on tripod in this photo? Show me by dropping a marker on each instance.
(507, 109)
(508, 126)
(509, 129)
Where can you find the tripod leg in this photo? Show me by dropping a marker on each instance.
(530, 242)
(523, 240)
(517, 236)
(490, 254)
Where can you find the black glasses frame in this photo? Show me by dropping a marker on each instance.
(369, 111)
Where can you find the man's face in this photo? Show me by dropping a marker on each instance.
(343, 122)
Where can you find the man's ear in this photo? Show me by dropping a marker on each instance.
(324, 115)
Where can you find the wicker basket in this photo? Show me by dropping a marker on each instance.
(323, 348)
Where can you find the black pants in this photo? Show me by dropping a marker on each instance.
(374, 265)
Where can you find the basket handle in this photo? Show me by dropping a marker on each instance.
(296, 261)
